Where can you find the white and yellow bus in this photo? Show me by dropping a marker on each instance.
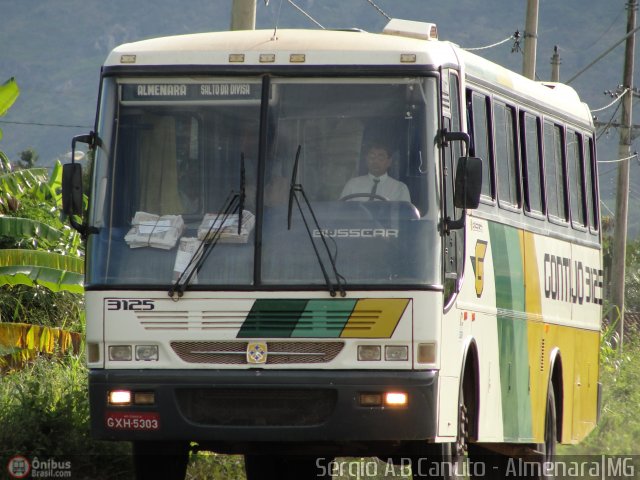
(239, 301)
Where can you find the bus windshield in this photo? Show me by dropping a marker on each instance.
(170, 158)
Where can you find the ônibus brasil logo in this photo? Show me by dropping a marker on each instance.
(18, 467)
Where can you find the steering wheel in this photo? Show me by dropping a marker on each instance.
(361, 195)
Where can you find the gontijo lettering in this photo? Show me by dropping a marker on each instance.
(570, 281)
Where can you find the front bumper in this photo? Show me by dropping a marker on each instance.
(258, 406)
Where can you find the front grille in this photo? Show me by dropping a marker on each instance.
(235, 353)
(256, 407)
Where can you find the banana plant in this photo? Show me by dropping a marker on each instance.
(9, 92)
(20, 342)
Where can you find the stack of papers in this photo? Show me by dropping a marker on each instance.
(150, 230)
(216, 225)
(186, 250)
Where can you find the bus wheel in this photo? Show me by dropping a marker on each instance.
(547, 450)
(267, 467)
(446, 461)
(153, 460)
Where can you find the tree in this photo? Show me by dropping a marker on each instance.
(28, 158)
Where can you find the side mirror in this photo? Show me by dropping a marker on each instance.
(468, 185)
(72, 189)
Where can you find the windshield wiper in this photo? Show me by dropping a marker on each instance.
(232, 205)
(293, 189)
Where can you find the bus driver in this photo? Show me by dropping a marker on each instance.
(376, 183)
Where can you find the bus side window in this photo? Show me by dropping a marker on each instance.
(506, 158)
(576, 176)
(532, 181)
(592, 189)
(555, 172)
(479, 120)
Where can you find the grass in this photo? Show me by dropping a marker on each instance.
(44, 413)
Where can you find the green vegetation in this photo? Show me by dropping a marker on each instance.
(44, 412)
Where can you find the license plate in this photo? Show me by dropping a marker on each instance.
(133, 420)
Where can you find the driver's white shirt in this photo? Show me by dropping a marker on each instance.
(390, 188)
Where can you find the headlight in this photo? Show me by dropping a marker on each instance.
(147, 353)
(396, 353)
(120, 353)
(369, 353)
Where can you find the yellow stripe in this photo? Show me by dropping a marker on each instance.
(538, 373)
(375, 318)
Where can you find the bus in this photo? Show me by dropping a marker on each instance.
(241, 299)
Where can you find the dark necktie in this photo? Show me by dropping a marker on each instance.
(376, 181)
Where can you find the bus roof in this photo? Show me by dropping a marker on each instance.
(296, 47)
(283, 47)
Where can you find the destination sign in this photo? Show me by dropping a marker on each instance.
(225, 91)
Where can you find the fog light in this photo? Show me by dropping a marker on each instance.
(369, 353)
(396, 353)
(147, 353)
(427, 353)
(395, 399)
(370, 399)
(144, 398)
(120, 397)
(120, 353)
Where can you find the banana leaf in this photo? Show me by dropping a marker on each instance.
(19, 228)
(9, 92)
(21, 342)
(34, 267)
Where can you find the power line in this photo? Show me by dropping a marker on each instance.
(492, 45)
(635, 155)
(306, 14)
(380, 11)
(38, 124)
(632, 32)
(606, 128)
(612, 103)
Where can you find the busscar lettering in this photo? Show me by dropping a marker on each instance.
(357, 233)
(163, 90)
(572, 281)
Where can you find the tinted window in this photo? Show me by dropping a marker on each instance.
(533, 182)
(592, 192)
(576, 186)
(507, 177)
(481, 140)
(555, 172)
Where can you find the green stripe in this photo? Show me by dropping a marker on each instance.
(512, 332)
(324, 318)
(272, 318)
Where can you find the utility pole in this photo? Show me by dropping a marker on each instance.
(530, 40)
(555, 65)
(622, 198)
(243, 15)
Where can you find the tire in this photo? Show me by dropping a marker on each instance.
(447, 461)
(547, 450)
(530, 467)
(167, 460)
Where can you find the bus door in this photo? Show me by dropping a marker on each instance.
(453, 240)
